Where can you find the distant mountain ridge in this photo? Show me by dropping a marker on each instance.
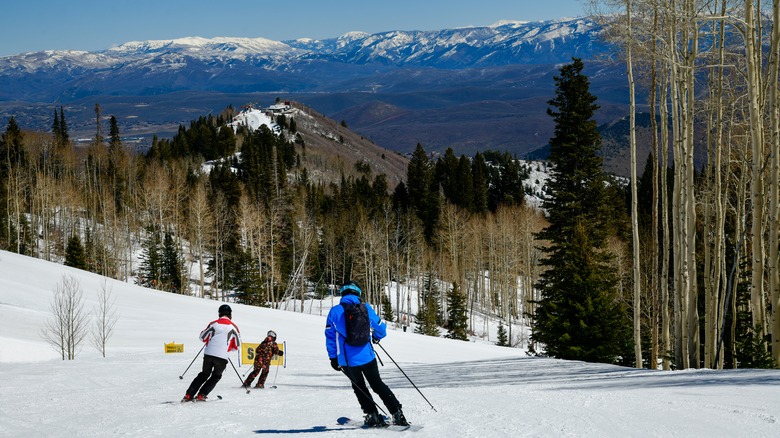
(488, 46)
(471, 89)
(255, 64)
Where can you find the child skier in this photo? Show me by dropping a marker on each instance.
(263, 354)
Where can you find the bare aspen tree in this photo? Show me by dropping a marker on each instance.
(17, 185)
(274, 217)
(303, 241)
(201, 228)
(682, 33)
(179, 193)
(474, 260)
(158, 202)
(219, 237)
(450, 239)
(752, 35)
(106, 318)
(714, 211)
(531, 222)
(67, 328)
(666, 319)
(397, 248)
(774, 181)
(655, 282)
(634, 202)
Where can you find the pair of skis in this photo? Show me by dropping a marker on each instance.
(358, 424)
(171, 402)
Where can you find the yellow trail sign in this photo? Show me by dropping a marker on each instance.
(248, 354)
(174, 348)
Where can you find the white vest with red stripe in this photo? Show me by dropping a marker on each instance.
(221, 337)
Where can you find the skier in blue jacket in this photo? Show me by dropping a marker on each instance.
(358, 362)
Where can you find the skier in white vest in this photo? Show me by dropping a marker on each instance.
(221, 337)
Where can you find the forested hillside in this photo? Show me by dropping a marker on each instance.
(262, 218)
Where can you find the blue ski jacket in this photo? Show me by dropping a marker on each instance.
(336, 331)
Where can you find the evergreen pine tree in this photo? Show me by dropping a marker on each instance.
(464, 185)
(423, 191)
(55, 129)
(480, 184)
(502, 337)
(114, 140)
(457, 321)
(750, 341)
(387, 308)
(172, 265)
(579, 315)
(75, 255)
(150, 269)
(94, 251)
(64, 137)
(428, 315)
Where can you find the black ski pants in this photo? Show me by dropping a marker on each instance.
(207, 379)
(370, 372)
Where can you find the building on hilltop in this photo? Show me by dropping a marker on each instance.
(253, 119)
(280, 108)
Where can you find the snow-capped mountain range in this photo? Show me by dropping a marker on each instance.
(259, 64)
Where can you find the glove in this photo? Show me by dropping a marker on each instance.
(334, 363)
(281, 353)
(374, 340)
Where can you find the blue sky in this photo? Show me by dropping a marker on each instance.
(34, 25)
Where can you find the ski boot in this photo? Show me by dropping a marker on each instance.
(187, 398)
(201, 397)
(399, 419)
(375, 420)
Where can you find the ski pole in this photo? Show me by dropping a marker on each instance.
(407, 377)
(284, 348)
(275, 374)
(377, 356)
(238, 375)
(193, 361)
(355, 385)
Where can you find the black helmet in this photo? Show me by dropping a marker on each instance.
(271, 334)
(225, 310)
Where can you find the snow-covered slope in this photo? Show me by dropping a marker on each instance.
(477, 389)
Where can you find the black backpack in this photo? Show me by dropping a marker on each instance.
(358, 325)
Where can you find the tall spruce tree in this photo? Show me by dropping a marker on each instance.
(479, 203)
(75, 255)
(457, 319)
(63, 132)
(428, 313)
(172, 265)
(150, 269)
(423, 191)
(503, 340)
(387, 308)
(579, 315)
